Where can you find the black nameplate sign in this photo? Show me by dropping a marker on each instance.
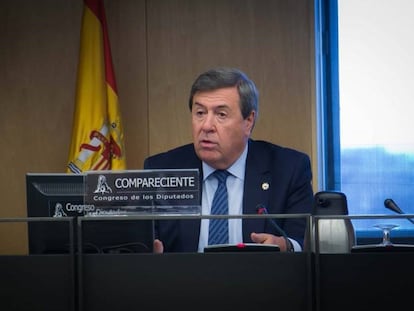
(138, 191)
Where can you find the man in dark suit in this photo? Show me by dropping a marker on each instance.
(224, 106)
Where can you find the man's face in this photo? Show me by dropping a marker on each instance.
(219, 131)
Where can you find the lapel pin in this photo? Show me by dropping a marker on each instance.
(265, 186)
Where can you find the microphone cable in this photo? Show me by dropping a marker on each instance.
(262, 210)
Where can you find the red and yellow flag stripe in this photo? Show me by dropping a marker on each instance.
(97, 134)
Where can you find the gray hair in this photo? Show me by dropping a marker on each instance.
(214, 79)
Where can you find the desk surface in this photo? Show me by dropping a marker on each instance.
(231, 281)
(365, 281)
(37, 283)
(242, 281)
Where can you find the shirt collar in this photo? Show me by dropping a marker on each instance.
(237, 169)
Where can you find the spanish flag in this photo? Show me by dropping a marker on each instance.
(97, 134)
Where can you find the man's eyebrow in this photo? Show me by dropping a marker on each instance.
(222, 105)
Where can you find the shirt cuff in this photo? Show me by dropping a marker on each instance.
(296, 246)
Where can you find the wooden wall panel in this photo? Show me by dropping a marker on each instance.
(127, 31)
(268, 39)
(38, 55)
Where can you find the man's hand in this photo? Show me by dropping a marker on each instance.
(158, 247)
(266, 238)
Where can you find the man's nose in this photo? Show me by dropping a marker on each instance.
(209, 122)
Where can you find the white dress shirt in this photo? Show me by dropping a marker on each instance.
(235, 186)
(235, 191)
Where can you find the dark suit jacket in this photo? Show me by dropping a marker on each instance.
(286, 171)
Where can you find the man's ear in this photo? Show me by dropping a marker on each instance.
(250, 120)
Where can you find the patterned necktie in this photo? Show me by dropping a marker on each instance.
(219, 228)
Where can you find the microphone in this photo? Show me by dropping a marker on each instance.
(391, 205)
(262, 210)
